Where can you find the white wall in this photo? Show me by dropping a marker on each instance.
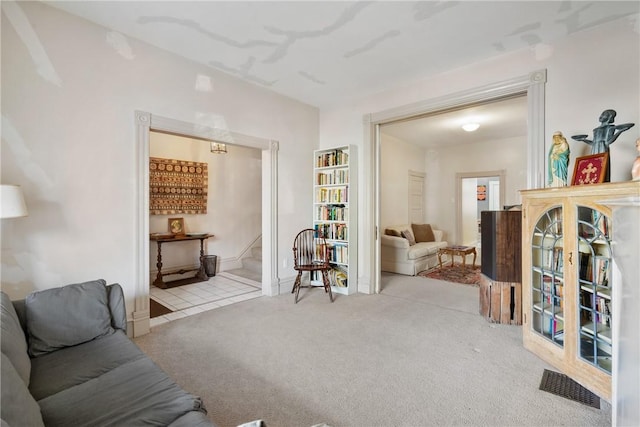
(68, 137)
(234, 208)
(587, 73)
(508, 154)
(397, 159)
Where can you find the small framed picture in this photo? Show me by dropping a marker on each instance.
(590, 169)
(176, 225)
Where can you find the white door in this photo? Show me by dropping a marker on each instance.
(416, 197)
(494, 195)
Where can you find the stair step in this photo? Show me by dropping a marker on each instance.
(256, 252)
(251, 277)
(252, 264)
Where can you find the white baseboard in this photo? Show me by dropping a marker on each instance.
(364, 285)
(286, 285)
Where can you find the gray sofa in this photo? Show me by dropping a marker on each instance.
(67, 361)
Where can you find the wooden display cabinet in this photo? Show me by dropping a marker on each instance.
(567, 279)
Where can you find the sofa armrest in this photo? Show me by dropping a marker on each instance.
(438, 234)
(117, 307)
(394, 241)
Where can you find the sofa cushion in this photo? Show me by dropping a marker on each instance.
(423, 249)
(67, 316)
(70, 366)
(18, 406)
(137, 393)
(392, 232)
(423, 233)
(14, 341)
(408, 234)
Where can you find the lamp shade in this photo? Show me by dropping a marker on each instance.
(12, 202)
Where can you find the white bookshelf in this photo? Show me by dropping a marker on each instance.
(335, 212)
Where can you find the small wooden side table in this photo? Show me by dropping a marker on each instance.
(200, 276)
(462, 251)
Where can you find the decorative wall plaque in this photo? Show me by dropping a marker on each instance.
(177, 186)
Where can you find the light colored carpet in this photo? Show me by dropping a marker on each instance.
(418, 354)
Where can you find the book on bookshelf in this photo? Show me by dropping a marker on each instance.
(335, 157)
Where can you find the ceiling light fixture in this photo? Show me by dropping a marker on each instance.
(218, 148)
(470, 127)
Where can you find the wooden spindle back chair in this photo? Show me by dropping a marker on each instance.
(311, 253)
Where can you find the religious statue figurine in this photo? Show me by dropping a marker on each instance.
(603, 136)
(558, 166)
(635, 169)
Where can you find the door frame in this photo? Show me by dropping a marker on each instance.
(145, 122)
(502, 176)
(532, 84)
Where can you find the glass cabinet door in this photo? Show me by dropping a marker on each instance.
(547, 279)
(594, 294)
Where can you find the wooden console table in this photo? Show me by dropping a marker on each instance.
(200, 276)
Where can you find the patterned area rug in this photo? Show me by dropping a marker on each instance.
(457, 274)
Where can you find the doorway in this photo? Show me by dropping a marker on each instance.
(145, 122)
(531, 85)
(477, 192)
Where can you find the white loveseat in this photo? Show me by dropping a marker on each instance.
(398, 256)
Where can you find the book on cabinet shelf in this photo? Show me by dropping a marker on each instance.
(589, 264)
(554, 259)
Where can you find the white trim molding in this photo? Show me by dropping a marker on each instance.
(270, 279)
(141, 324)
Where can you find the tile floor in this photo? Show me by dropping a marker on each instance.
(217, 292)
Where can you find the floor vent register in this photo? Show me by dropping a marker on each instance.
(561, 385)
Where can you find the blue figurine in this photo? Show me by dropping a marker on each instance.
(604, 135)
(558, 167)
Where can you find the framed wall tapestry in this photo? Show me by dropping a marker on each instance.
(177, 186)
(590, 169)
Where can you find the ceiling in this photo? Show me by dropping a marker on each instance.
(328, 53)
(498, 120)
